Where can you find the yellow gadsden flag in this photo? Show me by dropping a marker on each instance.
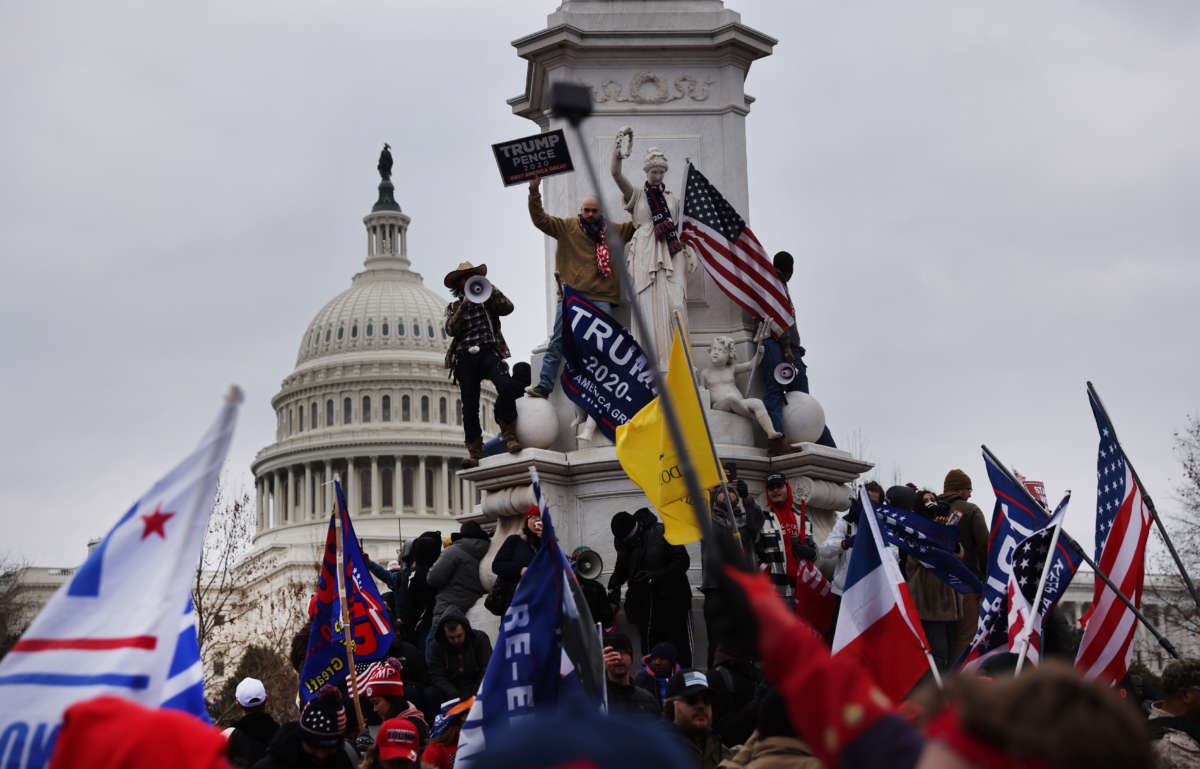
(651, 460)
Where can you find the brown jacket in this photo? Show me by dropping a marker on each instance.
(773, 753)
(934, 600)
(575, 254)
(497, 304)
(972, 533)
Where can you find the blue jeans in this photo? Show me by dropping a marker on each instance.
(775, 397)
(494, 446)
(553, 354)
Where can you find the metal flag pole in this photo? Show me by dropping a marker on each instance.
(603, 672)
(339, 547)
(1078, 548)
(573, 103)
(733, 527)
(1035, 610)
(1145, 497)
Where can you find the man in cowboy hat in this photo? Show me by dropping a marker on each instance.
(477, 352)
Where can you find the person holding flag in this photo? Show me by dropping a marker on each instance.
(350, 623)
(548, 651)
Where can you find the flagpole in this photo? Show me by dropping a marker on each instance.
(733, 527)
(1035, 610)
(1187, 581)
(643, 331)
(1078, 548)
(339, 547)
(603, 672)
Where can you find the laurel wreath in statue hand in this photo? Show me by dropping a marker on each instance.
(624, 152)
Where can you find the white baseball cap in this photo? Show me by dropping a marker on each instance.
(250, 692)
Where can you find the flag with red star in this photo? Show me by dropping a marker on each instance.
(123, 624)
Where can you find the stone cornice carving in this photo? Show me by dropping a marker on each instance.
(652, 88)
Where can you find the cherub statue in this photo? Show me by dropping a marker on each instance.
(720, 379)
(655, 254)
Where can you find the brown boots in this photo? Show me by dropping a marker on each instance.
(508, 432)
(475, 448)
(777, 446)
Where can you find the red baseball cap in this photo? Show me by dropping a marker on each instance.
(398, 739)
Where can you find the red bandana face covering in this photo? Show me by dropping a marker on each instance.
(947, 729)
(603, 262)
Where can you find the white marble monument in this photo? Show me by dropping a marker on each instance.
(674, 71)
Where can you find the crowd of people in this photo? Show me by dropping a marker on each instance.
(769, 693)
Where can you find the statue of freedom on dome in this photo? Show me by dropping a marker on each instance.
(385, 163)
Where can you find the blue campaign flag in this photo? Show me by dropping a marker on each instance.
(546, 654)
(370, 628)
(604, 370)
(123, 625)
(931, 543)
(1016, 516)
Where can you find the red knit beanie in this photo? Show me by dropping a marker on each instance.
(115, 733)
(533, 510)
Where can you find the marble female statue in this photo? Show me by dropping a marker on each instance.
(655, 255)
(722, 385)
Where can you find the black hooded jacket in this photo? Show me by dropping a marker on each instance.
(457, 671)
(655, 569)
(249, 739)
(285, 752)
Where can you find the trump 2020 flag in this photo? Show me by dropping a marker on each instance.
(604, 369)
(1028, 563)
(370, 628)
(1016, 516)
(123, 625)
(547, 652)
(877, 624)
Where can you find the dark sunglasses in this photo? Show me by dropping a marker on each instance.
(702, 698)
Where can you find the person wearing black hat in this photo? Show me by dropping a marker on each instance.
(659, 598)
(689, 708)
(316, 741)
(783, 346)
(622, 693)
(477, 352)
(657, 668)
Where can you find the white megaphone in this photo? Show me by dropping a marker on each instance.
(477, 289)
(588, 564)
(784, 373)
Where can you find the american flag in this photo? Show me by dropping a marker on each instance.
(1122, 526)
(1028, 561)
(730, 253)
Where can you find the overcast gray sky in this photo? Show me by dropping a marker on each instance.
(988, 204)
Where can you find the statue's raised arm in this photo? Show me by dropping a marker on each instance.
(618, 155)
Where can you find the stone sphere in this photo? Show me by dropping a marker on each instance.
(537, 424)
(803, 418)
